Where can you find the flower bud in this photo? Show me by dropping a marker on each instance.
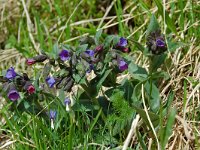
(31, 89)
(98, 48)
(40, 58)
(69, 85)
(30, 61)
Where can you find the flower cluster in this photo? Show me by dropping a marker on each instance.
(14, 83)
(122, 45)
(156, 42)
(71, 63)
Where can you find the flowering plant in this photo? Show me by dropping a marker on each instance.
(86, 79)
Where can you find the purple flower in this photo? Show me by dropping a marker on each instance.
(160, 43)
(51, 81)
(10, 74)
(52, 114)
(90, 53)
(64, 55)
(156, 42)
(122, 42)
(67, 103)
(13, 95)
(122, 65)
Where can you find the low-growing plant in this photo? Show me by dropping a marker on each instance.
(82, 83)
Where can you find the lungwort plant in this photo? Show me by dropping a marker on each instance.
(82, 83)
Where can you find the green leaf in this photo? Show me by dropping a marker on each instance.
(116, 39)
(168, 106)
(167, 130)
(95, 121)
(122, 112)
(82, 48)
(156, 61)
(153, 25)
(108, 41)
(137, 72)
(154, 118)
(154, 96)
(97, 36)
(103, 79)
(46, 70)
(55, 51)
(26, 105)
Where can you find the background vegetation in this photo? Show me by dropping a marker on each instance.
(28, 27)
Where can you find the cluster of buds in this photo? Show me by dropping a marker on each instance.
(70, 63)
(14, 83)
(156, 42)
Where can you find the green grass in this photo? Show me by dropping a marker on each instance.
(55, 21)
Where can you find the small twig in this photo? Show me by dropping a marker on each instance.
(106, 13)
(190, 96)
(7, 144)
(131, 132)
(185, 127)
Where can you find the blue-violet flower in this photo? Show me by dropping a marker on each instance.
(64, 55)
(13, 95)
(51, 81)
(10, 74)
(52, 116)
(160, 43)
(122, 65)
(90, 53)
(122, 42)
(67, 103)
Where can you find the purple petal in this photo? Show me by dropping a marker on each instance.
(122, 42)
(122, 65)
(160, 43)
(90, 53)
(13, 95)
(52, 114)
(64, 55)
(10, 74)
(51, 81)
(67, 101)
